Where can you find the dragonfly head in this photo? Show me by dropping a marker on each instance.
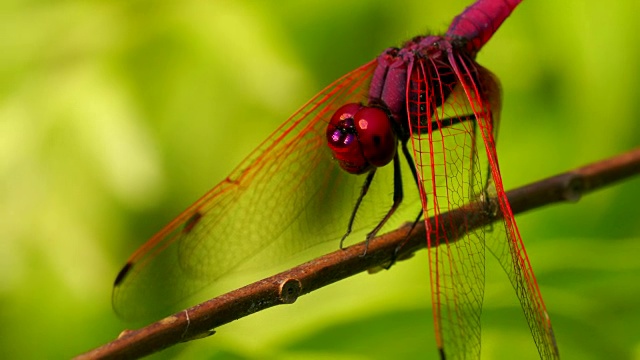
(361, 137)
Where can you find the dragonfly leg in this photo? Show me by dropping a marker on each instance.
(487, 199)
(363, 192)
(396, 251)
(443, 123)
(489, 179)
(398, 195)
(414, 172)
(410, 161)
(489, 202)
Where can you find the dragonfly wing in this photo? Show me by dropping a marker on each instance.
(504, 241)
(457, 170)
(446, 157)
(288, 195)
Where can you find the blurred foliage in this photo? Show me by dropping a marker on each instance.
(115, 116)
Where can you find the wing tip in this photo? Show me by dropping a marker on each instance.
(123, 274)
(442, 355)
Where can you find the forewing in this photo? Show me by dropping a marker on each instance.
(445, 151)
(288, 195)
(505, 242)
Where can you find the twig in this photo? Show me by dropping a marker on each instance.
(284, 288)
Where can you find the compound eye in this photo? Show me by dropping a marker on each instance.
(361, 137)
(376, 135)
(342, 139)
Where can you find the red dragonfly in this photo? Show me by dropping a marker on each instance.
(430, 100)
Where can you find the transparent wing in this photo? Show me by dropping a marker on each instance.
(287, 196)
(447, 161)
(505, 242)
(455, 171)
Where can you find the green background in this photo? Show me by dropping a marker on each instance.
(115, 116)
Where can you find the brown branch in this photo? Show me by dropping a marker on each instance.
(284, 288)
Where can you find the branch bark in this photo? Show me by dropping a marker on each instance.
(284, 288)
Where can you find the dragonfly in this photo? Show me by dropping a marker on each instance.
(427, 104)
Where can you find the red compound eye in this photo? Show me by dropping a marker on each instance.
(377, 138)
(361, 137)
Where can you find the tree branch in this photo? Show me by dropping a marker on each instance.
(284, 288)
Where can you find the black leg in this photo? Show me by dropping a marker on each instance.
(444, 123)
(490, 207)
(394, 257)
(414, 172)
(363, 192)
(412, 164)
(398, 194)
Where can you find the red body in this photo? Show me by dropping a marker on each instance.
(479, 22)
